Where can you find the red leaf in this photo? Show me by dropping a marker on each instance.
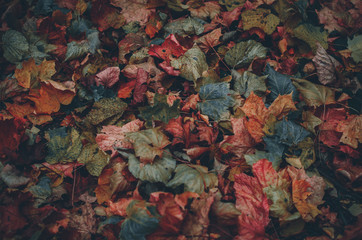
(170, 48)
(140, 86)
(108, 77)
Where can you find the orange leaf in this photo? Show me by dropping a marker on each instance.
(282, 105)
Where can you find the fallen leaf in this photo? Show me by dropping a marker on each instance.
(244, 53)
(209, 40)
(108, 77)
(248, 82)
(352, 134)
(260, 18)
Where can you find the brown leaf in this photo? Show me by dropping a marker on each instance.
(209, 40)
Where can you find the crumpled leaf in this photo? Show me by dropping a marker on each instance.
(248, 82)
(314, 95)
(215, 100)
(63, 145)
(184, 27)
(148, 144)
(311, 35)
(108, 77)
(160, 111)
(113, 137)
(12, 177)
(260, 18)
(159, 171)
(252, 202)
(15, 46)
(94, 159)
(351, 129)
(326, 66)
(142, 219)
(279, 84)
(355, 47)
(243, 53)
(195, 178)
(192, 64)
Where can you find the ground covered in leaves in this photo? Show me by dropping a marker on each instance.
(180, 119)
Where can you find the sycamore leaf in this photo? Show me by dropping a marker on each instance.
(15, 46)
(355, 47)
(159, 171)
(243, 53)
(326, 66)
(108, 77)
(195, 178)
(351, 129)
(94, 159)
(185, 27)
(142, 219)
(314, 95)
(160, 111)
(290, 133)
(215, 100)
(209, 40)
(148, 144)
(192, 64)
(63, 145)
(260, 18)
(311, 35)
(279, 84)
(248, 82)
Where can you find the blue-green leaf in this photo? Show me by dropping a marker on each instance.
(142, 220)
(290, 133)
(279, 84)
(216, 100)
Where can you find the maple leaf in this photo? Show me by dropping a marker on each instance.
(209, 40)
(243, 53)
(248, 82)
(148, 144)
(113, 137)
(314, 95)
(253, 205)
(351, 129)
(195, 178)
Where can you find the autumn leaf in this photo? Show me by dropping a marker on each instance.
(311, 35)
(209, 40)
(352, 134)
(108, 77)
(94, 159)
(260, 18)
(169, 49)
(248, 82)
(354, 46)
(243, 53)
(206, 10)
(184, 27)
(15, 46)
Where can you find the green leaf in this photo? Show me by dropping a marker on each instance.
(105, 109)
(63, 145)
(142, 219)
(42, 190)
(148, 143)
(195, 178)
(243, 53)
(355, 46)
(216, 100)
(311, 35)
(290, 133)
(314, 95)
(94, 159)
(76, 50)
(185, 27)
(160, 111)
(15, 46)
(248, 82)
(159, 171)
(192, 64)
(279, 84)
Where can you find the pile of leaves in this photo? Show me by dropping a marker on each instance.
(180, 119)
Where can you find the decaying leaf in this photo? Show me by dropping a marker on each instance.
(311, 35)
(260, 18)
(248, 82)
(244, 53)
(94, 159)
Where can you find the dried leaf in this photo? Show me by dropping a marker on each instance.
(244, 53)
(260, 18)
